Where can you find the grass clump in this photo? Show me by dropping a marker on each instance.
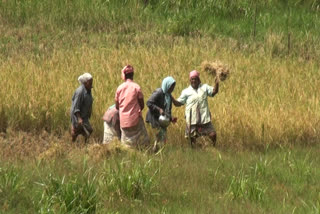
(12, 185)
(246, 187)
(177, 180)
(128, 180)
(74, 195)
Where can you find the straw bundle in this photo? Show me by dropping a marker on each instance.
(101, 151)
(55, 151)
(98, 151)
(216, 68)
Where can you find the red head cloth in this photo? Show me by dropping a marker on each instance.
(126, 70)
(194, 73)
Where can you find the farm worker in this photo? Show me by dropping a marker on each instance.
(111, 123)
(129, 101)
(160, 103)
(81, 108)
(197, 112)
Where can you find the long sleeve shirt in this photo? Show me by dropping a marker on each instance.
(154, 103)
(196, 100)
(82, 101)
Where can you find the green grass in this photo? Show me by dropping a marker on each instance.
(134, 183)
(179, 180)
(235, 19)
(78, 195)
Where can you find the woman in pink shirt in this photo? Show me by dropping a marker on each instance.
(129, 101)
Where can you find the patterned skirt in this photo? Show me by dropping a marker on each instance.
(199, 130)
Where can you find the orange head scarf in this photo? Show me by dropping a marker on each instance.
(126, 70)
(194, 73)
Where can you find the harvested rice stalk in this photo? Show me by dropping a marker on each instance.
(216, 68)
(55, 151)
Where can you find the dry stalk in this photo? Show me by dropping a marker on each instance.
(216, 68)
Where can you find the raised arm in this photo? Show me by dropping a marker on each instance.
(216, 87)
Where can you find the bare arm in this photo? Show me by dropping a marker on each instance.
(216, 87)
(176, 103)
(141, 103)
(117, 105)
(80, 121)
(116, 100)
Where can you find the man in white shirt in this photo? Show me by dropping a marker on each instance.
(197, 111)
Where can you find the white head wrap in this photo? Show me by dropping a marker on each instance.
(84, 78)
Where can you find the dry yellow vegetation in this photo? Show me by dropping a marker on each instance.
(266, 100)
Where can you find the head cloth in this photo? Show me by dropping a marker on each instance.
(84, 78)
(126, 70)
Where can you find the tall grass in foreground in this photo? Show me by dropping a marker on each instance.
(11, 184)
(129, 180)
(178, 180)
(78, 195)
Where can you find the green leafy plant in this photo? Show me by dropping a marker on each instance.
(130, 180)
(246, 187)
(11, 185)
(74, 195)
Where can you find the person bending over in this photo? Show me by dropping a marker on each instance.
(111, 123)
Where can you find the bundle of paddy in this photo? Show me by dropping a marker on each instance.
(98, 151)
(216, 68)
(101, 151)
(55, 151)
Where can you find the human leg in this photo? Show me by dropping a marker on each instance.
(87, 130)
(74, 133)
(161, 139)
(213, 137)
(191, 134)
(208, 130)
(162, 135)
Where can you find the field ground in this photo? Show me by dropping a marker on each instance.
(47, 174)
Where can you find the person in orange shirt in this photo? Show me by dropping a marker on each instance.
(129, 101)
